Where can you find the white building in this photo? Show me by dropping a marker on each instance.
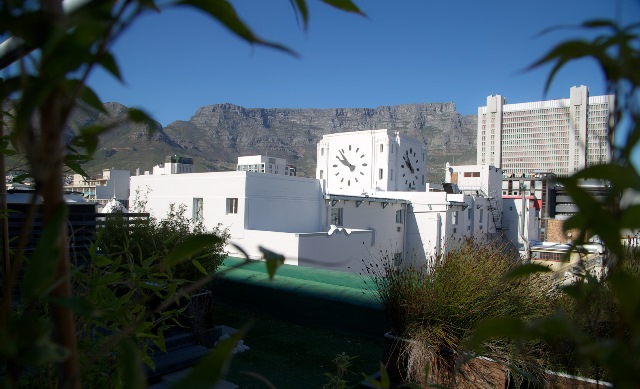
(265, 164)
(559, 136)
(380, 160)
(484, 184)
(112, 184)
(330, 222)
(174, 164)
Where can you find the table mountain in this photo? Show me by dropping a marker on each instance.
(217, 134)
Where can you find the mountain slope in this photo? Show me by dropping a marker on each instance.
(217, 134)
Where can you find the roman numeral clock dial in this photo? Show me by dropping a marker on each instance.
(350, 166)
(409, 168)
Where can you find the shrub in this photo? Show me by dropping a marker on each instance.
(156, 238)
(437, 304)
(592, 309)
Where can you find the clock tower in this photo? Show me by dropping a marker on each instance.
(362, 162)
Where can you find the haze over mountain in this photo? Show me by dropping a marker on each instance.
(217, 134)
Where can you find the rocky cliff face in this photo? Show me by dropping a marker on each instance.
(231, 131)
(217, 134)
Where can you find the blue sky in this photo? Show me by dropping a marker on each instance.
(402, 52)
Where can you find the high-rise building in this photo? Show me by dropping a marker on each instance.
(556, 136)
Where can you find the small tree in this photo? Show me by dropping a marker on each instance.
(56, 51)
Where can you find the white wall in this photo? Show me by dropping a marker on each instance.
(512, 214)
(339, 249)
(271, 208)
(214, 188)
(283, 203)
(387, 235)
(284, 243)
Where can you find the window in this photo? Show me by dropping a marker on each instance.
(399, 216)
(381, 173)
(232, 205)
(197, 210)
(390, 174)
(336, 216)
(481, 214)
(321, 174)
(470, 214)
(322, 151)
(381, 147)
(454, 218)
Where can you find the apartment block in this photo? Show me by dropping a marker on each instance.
(554, 136)
(265, 164)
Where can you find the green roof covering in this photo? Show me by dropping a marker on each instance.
(323, 297)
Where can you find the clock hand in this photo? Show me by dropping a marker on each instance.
(345, 162)
(406, 160)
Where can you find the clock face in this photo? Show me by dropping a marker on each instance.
(350, 166)
(409, 168)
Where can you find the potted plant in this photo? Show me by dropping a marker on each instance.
(433, 307)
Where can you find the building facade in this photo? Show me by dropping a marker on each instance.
(173, 164)
(265, 164)
(112, 184)
(559, 136)
(360, 162)
(334, 221)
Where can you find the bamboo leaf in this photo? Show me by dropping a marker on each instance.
(385, 381)
(344, 5)
(87, 95)
(223, 12)
(108, 62)
(214, 366)
(189, 247)
(131, 366)
(199, 266)
(273, 261)
(41, 268)
(80, 305)
(300, 7)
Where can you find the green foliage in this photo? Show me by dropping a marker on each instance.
(337, 381)
(597, 331)
(99, 310)
(437, 304)
(172, 238)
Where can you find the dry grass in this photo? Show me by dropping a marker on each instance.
(438, 304)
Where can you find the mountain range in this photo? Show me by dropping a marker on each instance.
(217, 134)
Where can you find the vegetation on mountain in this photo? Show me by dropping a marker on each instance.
(216, 135)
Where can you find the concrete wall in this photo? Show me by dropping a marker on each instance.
(386, 234)
(283, 203)
(513, 223)
(428, 225)
(160, 191)
(250, 241)
(340, 249)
